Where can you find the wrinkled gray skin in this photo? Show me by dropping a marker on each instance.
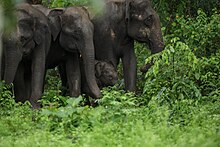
(116, 28)
(106, 75)
(72, 36)
(25, 53)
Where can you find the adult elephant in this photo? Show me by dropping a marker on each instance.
(25, 51)
(72, 36)
(120, 23)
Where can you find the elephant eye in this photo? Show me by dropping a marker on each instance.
(149, 21)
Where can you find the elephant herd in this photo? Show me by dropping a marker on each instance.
(85, 49)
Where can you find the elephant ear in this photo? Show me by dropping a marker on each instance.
(37, 38)
(111, 63)
(55, 20)
(37, 33)
(99, 68)
(40, 28)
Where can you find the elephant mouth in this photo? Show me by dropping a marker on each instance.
(152, 46)
(27, 48)
(142, 39)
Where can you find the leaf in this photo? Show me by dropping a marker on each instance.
(172, 49)
(74, 101)
(197, 76)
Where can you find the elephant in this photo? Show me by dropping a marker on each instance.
(24, 53)
(72, 37)
(105, 73)
(121, 23)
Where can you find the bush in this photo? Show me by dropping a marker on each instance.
(200, 34)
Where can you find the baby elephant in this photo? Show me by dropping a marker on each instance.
(105, 73)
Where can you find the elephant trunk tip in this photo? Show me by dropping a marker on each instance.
(96, 94)
(156, 48)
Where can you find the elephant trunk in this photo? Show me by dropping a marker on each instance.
(12, 59)
(156, 43)
(88, 56)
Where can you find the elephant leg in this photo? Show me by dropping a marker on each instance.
(37, 73)
(27, 81)
(63, 76)
(73, 74)
(2, 67)
(130, 70)
(19, 85)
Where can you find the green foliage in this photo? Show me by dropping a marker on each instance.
(64, 3)
(171, 71)
(201, 34)
(117, 123)
(9, 20)
(6, 96)
(168, 9)
(208, 76)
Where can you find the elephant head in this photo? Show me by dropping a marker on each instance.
(26, 25)
(143, 24)
(29, 34)
(106, 74)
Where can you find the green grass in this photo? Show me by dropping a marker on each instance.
(113, 123)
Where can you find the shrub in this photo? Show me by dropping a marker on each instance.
(200, 34)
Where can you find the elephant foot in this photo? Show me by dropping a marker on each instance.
(96, 94)
(75, 93)
(35, 105)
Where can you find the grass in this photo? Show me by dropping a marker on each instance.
(110, 124)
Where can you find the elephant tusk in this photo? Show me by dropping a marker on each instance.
(140, 17)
